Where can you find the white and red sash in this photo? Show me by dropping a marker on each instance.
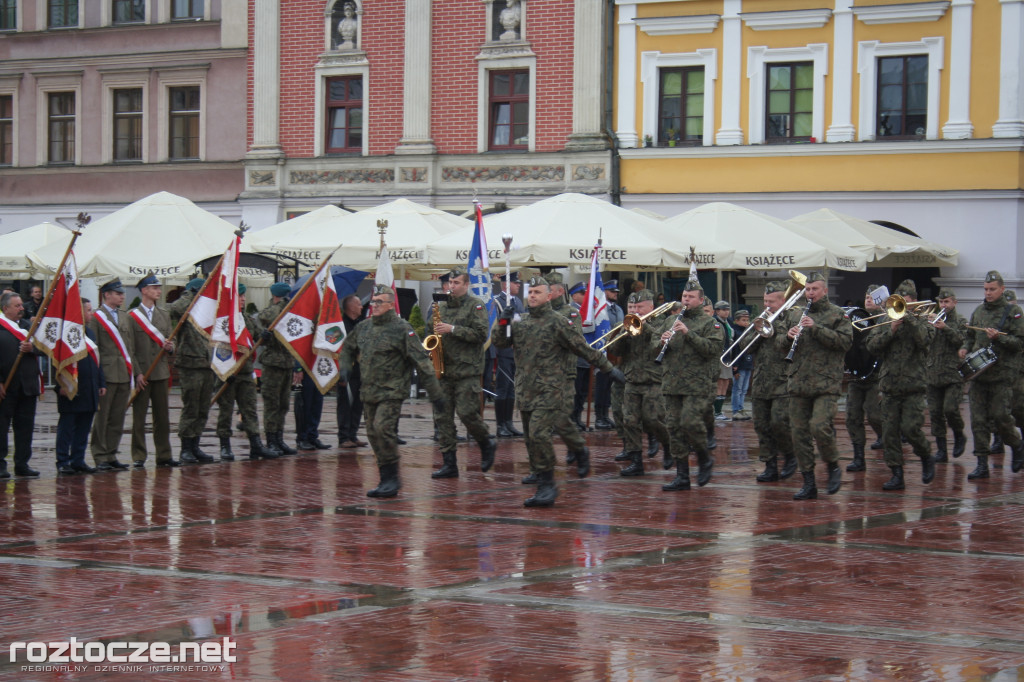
(20, 333)
(108, 326)
(151, 331)
(92, 349)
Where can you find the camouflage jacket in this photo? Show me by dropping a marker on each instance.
(387, 350)
(942, 357)
(690, 357)
(817, 366)
(638, 354)
(543, 342)
(463, 348)
(1005, 317)
(903, 354)
(273, 353)
(564, 309)
(769, 377)
(192, 347)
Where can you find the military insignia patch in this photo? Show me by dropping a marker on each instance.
(717, 326)
(479, 307)
(412, 333)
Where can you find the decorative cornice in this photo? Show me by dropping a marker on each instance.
(675, 26)
(903, 13)
(779, 21)
(828, 149)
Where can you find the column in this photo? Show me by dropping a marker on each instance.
(416, 88)
(959, 127)
(842, 129)
(266, 71)
(732, 58)
(626, 103)
(587, 84)
(1011, 57)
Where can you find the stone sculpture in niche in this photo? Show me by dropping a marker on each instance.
(348, 27)
(510, 20)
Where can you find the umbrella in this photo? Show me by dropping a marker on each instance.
(163, 233)
(14, 246)
(410, 226)
(346, 280)
(760, 241)
(563, 229)
(883, 247)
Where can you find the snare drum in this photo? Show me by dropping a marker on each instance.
(977, 362)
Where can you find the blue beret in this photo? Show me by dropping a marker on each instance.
(578, 289)
(280, 289)
(148, 281)
(241, 288)
(195, 284)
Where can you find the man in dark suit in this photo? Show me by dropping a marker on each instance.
(76, 414)
(350, 403)
(19, 399)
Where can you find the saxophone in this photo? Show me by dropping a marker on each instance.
(432, 344)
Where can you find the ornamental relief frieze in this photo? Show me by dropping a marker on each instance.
(356, 176)
(258, 178)
(415, 174)
(581, 172)
(503, 173)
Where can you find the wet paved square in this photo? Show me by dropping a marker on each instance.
(454, 579)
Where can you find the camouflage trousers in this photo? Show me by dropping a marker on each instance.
(538, 425)
(811, 421)
(944, 408)
(196, 392)
(276, 388)
(863, 400)
(904, 416)
(462, 397)
(618, 412)
(990, 404)
(564, 426)
(642, 405)
(382, 429)
(771, 424)
(1017, 402)
(687, 429)
(241, 391)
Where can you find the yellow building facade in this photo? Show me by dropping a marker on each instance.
(911, 113)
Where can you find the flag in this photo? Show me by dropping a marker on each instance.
(231, 340)
(594, 311)
(312, 330)
(479, 269)
(61, 333)
(385, 275)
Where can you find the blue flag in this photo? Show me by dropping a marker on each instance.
(478, 268)
(594, 310)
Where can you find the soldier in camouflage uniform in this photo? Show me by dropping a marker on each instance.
(692, 342)
(902, 344)
(241, 389)
(945, 386)
(992, 391)
(195, 377)
(642, 399)
(1017, 400)
(819, 334)
(863, 398)
(278, 373)
(463, 330)
(769, 401)
(387, 350)
(543, 340)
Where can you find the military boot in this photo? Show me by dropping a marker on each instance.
(389, 483)
(225, 450)
(1017, 463)
(186, 456)
(878, 445)
(282, 446)
(546, 491)
(981, 471)
(487, 450)
(704, 465)
(583, 462)
(941, 454)
(501, 417)
(271, 446)
(927, 469)
(257, 450)
(682, 479)
(959, 443)
(896, 482)
(622, 456)
(997, 447)
(858, 458)
(652, 445)
(449, 467)
(712, 441)
(570, 456)
(835, 477)
(636, 468)
(770, 473)
(530, 478)
(788, 466)
(810, 489)
(509, 424)
(667, 460)
(201, 456)
(603, 423)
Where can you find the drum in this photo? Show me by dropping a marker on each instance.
(977, 362)
(859, 362)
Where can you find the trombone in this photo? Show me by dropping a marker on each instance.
(895, 308)
(631, 325)
(762, 324)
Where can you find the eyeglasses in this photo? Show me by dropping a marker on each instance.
(379, 303)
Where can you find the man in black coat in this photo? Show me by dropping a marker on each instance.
(19, 399)
(76, 414)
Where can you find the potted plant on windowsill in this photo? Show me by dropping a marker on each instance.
(671, 135)
(648, 141)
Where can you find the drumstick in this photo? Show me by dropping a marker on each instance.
(981, 329)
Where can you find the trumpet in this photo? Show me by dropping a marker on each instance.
(895, 308)
(631, 325)
(941, 317)
(762, 324)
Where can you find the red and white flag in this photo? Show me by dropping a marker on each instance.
(61, 333)
(312, 330)
(231, 340)
(386, 274)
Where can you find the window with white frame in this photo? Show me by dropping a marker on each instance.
(899, 98)
(507, 104)
(690, 97)
(62, 13)
(60, 126)
(127, 124)
(186, 9)
(128, 11)
(6, 130)
(344, 115)
(787, 93)
(8, 15)
(183, 118)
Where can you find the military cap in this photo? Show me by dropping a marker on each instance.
(538, 281)
(742, 312)
(993, 276)
(707, 301)
(113, 285)
(775, 287)
(554, 278)
(149, 280)
(443, 279)
(946, 292)
(457, 271)
(1010, 295)
(816, 276)
(722, 305)
(611, 285)
(641, 296)
(382, 289)
(241, 288)
(693, 285)
(872, 288)
(280, 289)
(195, 284)
(513, 277)
(580, 288)
(907, 288)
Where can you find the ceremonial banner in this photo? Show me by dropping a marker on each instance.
(385, 275)
(594, 311)
(312, 330)
(479, 268)
(230, 338)
(60, 335)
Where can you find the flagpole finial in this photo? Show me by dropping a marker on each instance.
(382, 228)
(243, 227)
(82, 220)
(506, 239)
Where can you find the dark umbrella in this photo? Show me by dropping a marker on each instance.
(346, 280)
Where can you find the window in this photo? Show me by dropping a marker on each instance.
(344, 115)
(681, 106)
(903, 97)
(128, 124)
(186, 9)
(8, 15)
(6, 130)
(63, 13)
(129, 11)
(510, 110)
(61, 126)
(790, 102)
(184, 123)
